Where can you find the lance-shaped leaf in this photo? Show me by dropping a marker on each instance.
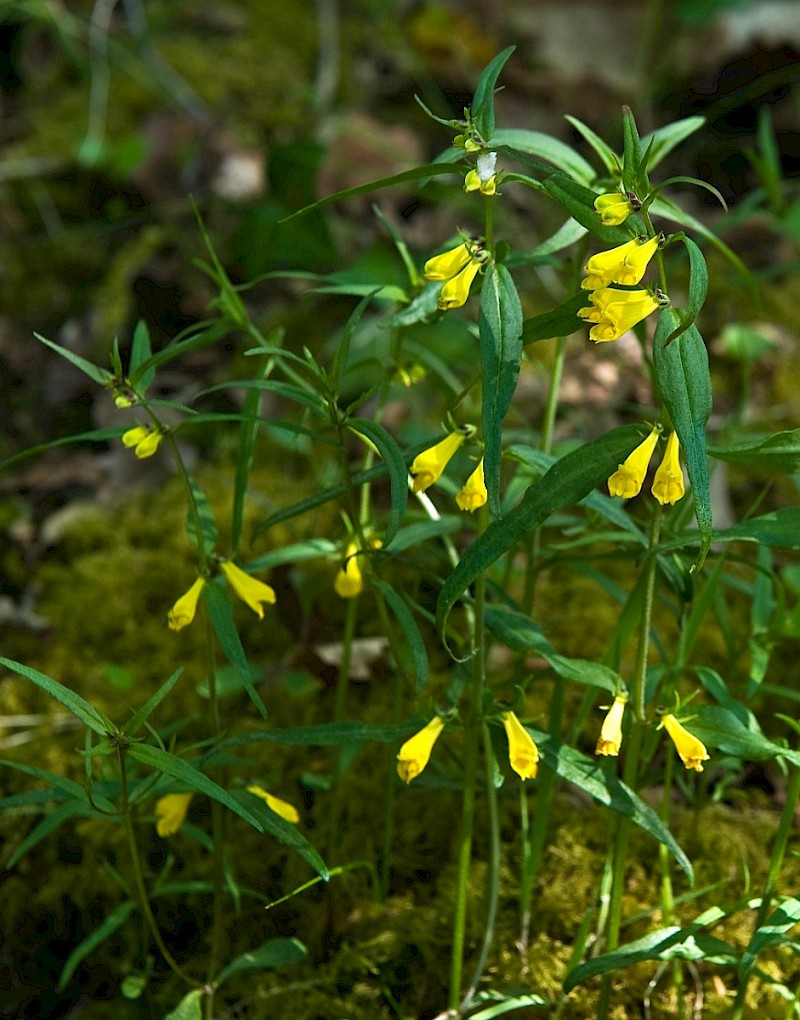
(698, 276)
(684, 382)
(220, 613)
(95, 938)
(483, 100)
(560, 321)
(278, 952)
(348, 731)
(568, 481)
(392, 457)
(142, 351)
(100, 375)
(80, 707)
(537, 143)
(778, 452)
(282, 830)
(578, 200)
(500, 328)
(408, 624)
(772, 933)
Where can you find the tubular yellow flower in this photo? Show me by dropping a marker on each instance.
(249, 589)
(428, 466)
(613, 208)
(614, 312)
(144, 440)
(625, 264)
(692, 751)
(456, 291)
(610, 737)
(349, 581)
(472, 182)
(446, 265)
(473, 494)
(171, 812)
(628, 480)
(523, 754)
(183, 612)
(668, 484)
(281, 807)
(414, 754)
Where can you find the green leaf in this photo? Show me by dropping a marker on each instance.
(347, 731)
(94, 436)
(278, 952)
(152, 703)
(500, 331)
(189, 1008)
(422, 307)
(245, 452)
(220, 613)
(141, 351)
(698, 276)
(430, 170)
(664, 944)
(779, 529)
(284, 831)
(342, 353)
(68, 786)
(404, 617)
(507, 1004)
(568, 481)
(482, 108)
(296, 394)
(608, 157)
(550, 149)
(208, 525)
(684, 382)
(772, 933)
(113, 922)
(199, 334)
(312, 549)
(589, 775)
(74, 703)
(161, 761)
(100, 375)
(778, 452)
(723, 730)
(398, 472)
(578, 200)
(567, 234)
(664, 139)
(560, 321)
(634, 173)
(52, 821)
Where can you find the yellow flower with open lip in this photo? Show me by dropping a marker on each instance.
(283, 808)
(427, 467)
(249, 589)
(610, 737)
(349, 581)
(184, 610)
(614, 312)
(473, 493)
(171, 812)
(458, 267)
(627, 481)
(625, 264)
(144, 439)
(413, 756)
(691, 749)
(668, 485)
(523, 754)
(613, 208)
(446, 265)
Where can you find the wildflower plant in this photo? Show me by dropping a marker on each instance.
(445, 588)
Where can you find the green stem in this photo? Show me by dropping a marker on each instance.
(339, 706)
(775, 865)
(667, 896)
(138, 878)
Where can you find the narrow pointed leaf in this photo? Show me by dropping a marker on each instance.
(189, 1008)
(282, 830)
(152, 704)
(348, 731)
(578, 200)
(404, 616)
(392, 457)
(483, 102)
(664, 139)
(278, 952)
(208, 525)
(113, 922)
(68, 786)
(100, 375)
(52, 821)
(698, 276)
(560, 321)
(537, 143)
(500, 330)
(778, 452)
(220, 613)
(141, 351)
(607, 155)
(73, 702)
(772, 933)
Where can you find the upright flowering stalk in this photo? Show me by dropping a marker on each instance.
(610, 738)
(349, 581)
(184, 610)
(614, 312)
(625, 264)
(627, 481)
(144, 439)
(171, 812)
(473, 493)
(458, 267)
(249, 589)
(414, 754)
(523, 754)
(283, 808)
(613, 208)
(668, 486)
(692, 750)
(427, 467)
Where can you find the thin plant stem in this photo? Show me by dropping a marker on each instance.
(339, 707)
(775, 864)
(667, 896)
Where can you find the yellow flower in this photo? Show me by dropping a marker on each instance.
(427, 467)
(446, 265)
(183, 612)
(280, 807)
(249, 589)
(144, 439)
(625, 264)
(456, 291)
(611, 731)
(628, 480)
(613, 208)
(349, 581)
(414, 754)
(691, 750)
(668, 484)
(483, 177)
(171, 812)
(523, 754)
(473, 494)
(614, 312)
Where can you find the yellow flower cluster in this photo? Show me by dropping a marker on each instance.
(668, 485)
(427, 468)
(249, 589)
(614, 311)
(692, 751)
(458, 267)
(143, 439)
